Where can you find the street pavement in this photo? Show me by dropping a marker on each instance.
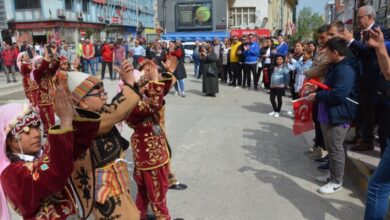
(240, 163)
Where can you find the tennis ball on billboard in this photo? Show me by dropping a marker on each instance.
(203, 14)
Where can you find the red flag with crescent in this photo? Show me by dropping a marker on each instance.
(303, 120)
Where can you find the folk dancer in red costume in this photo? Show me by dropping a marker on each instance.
(34, 176)
(149, 145)
(101, 177)
(169, 80)
(29, 85)
(46, 69)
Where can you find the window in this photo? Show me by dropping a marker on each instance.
(189, 47)
(243, 15)
(23, 4)
(85, 5)
(69, 5)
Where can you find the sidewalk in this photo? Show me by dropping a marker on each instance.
(359, 165)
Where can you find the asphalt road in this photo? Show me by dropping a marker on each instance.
(240, 163)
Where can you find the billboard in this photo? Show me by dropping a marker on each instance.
(194, 15)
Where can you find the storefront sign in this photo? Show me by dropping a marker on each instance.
(194, 15)
(53, 24)
(258, 32)
(115, 20)
(100, 1)
(39, 32)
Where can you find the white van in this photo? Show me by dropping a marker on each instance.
(189, 51)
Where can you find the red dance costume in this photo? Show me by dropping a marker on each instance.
(39, 189)
(43, 76)
(29, 85)
(150, 152)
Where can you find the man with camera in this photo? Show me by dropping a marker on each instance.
(367, 81)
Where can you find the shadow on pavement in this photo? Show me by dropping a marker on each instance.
(307, 202)
(259, 107)
(277, 147)
(196, 81)
(195, 92)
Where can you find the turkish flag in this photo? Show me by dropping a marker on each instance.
(303, 120)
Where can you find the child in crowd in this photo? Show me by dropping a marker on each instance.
(279, 80)
(300, 66)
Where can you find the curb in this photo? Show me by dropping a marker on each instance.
(354, 168)
(358, 168)
(359, 172)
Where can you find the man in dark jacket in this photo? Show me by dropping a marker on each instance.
(335, 111)
(370, 75)
(241, 62)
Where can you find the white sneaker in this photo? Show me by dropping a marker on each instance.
(289, 112)
(271, 113)
(276, 115)
(323, 179)
(175, 94)
(330, 187)
(183, 94)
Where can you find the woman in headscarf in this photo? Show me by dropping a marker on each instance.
(208, 61)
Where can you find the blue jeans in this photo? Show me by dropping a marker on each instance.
(379, 188)
(87, 63)
(379, 185)
(117, 64)
(196, 67)
(179, 83)
(97, 61)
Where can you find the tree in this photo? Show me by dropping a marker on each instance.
(308, 22)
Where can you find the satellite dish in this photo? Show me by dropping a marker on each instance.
(243, 26)
(251, 25)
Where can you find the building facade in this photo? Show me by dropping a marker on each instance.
(282, 16)
(197, 15)
(68, 20)
(329, 12)
(182, 19)
(177, 17)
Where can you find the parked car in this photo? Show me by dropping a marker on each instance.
(189, 51)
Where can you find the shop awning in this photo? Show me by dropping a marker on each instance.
(193, 36)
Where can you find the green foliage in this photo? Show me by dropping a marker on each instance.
(308, 23)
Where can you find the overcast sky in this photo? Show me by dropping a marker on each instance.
(316, 5)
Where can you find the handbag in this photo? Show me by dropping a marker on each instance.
(211, 71)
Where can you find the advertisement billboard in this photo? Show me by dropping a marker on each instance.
(194, 15)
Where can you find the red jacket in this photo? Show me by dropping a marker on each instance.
(9, 56)
(107, 53)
